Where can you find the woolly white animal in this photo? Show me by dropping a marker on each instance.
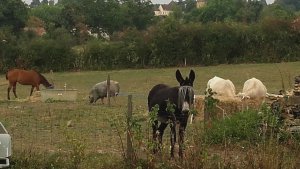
(221, 86)
(253, 89)
(99, 91)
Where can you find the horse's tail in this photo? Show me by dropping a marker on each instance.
(6, 76)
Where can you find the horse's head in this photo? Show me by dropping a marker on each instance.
(186, 91)
(45, 82)
(51, 86)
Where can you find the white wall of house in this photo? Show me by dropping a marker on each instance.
(162, 12)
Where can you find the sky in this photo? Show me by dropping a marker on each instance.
(153, 1)
(168, 1)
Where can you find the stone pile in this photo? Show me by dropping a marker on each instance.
(297, 86)
(291, 114)
(288, 108)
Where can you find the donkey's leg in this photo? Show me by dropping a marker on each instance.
(160, 133)
(173, 137)
(181, 138)
(154, 135)
(154, 129)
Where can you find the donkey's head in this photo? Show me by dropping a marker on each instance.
(185, 91)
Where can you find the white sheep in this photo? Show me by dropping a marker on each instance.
(254, 89)
(99, 91)
(221, 87)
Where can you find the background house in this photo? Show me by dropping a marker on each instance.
(164, 9)
(200, 3)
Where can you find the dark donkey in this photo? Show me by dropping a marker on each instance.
(25, 77)
(182, 99)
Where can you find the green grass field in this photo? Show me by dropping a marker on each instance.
(141, 80)
(43, 127)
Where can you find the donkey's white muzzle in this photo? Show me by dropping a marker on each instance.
(185, 106)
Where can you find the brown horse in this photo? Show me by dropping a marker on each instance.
(25, 77)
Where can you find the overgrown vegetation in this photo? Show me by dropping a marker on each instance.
(241, 126)
(249, 125)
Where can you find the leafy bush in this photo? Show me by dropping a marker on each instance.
(240, 126)
(249, 125)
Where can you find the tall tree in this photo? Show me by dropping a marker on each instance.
(44, 2)
(13, 14)
(35, 3)
(102, 15)
(189, 5)
(51, 2)
(221, 10)
(276, 11)
(50, 14)
(251, 11)
(290, 4)
(72, 13)
(138, 13)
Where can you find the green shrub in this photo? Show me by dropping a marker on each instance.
(240, 126)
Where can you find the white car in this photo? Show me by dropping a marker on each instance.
(5, 147)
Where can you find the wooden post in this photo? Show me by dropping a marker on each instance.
(51, 127)
(206, 112)
(130, 152)
(51, 74)
(206, 115)
(108, 90)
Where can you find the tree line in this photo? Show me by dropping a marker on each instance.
(116, 34)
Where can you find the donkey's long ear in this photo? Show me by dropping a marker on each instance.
(179, 76)
(192, 75)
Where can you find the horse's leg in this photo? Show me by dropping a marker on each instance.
(181, 137)
(32, 87)
(14, 89)
(37, 89)
(8, 91)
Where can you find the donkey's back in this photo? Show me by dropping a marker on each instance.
(159, 94)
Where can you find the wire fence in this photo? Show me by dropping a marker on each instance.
(45, 127)
(55, 127)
